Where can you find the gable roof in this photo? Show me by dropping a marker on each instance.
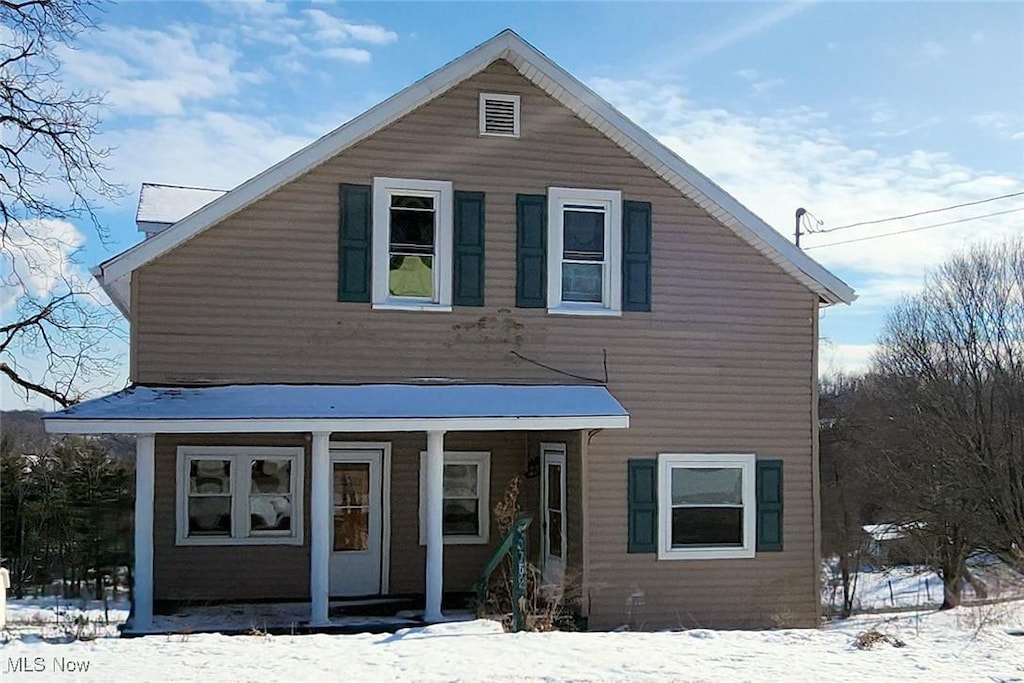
(114, 274)
(163, 205)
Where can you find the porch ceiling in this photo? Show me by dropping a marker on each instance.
(342, 408)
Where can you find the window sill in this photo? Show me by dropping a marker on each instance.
(210, 541)
(584, 310)
(436, 308)
(707, 554)
(461, 540)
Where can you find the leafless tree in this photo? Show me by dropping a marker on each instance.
(950, 384)
(57, 327)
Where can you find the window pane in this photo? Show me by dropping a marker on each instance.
(270, 513)
(461, 517)
(351, 528)
(210, 476)
(555, 486)
(583, 235)
(209, 516)
(271, 476)
(582, 282)
(411, 276)
(351, 483)
(555, 534)
(707, 486)
(707, 527)
(400, 201)
(460, 481)
(412, 231)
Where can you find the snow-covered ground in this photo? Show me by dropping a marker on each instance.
(51, 617)
(972, 643)
(920, 587)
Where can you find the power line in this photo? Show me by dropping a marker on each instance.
(922, 213)
(923, 227)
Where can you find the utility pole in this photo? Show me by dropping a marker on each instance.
(799, 216)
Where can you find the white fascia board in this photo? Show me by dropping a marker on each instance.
(199, 426)
(309, 157)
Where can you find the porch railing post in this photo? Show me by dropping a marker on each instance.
(320, 528)
(142, 576)
(435, 523)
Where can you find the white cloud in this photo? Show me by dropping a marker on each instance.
(796, 157)
(849, 359)
(1000, 123)
(767, 84)
(353, 55)
(932, 51)
(146, 71)
(747, 74)
(330, 29)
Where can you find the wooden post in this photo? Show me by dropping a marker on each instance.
(435, 526)
(142, 590)
(320, 529)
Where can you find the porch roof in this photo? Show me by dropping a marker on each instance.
(342, 408)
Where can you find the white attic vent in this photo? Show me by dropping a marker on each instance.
(499, 114)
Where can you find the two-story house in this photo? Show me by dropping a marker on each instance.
(338, 366)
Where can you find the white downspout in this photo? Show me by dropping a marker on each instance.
(435, 520)
(320, 529)
(142, 591)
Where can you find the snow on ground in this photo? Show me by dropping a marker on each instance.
(971, 643)
(51, 617)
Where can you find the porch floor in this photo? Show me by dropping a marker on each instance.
(289, 618)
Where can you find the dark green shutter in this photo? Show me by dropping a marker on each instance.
(531, 250)
(354, 231)
(636, 256)
(643, 506)
(468, 274)
(769, 505)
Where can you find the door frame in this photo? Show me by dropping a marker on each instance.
(552, 452)
(385, 500)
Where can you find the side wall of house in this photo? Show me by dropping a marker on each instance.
(722, 363)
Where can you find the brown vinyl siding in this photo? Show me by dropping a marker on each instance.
(244, 572)
(723, 363)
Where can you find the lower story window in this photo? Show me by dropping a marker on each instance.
(230, 495)
(465, 492)
(706, 506)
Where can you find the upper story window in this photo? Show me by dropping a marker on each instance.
(412, 244)
(584, 251)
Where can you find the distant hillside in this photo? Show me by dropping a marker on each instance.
(23, 431)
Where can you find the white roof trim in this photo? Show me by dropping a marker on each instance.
(466, 424)
(551, 78)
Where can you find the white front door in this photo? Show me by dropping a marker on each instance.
(552, 496)
(356, 521)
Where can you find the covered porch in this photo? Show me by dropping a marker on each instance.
(319, 492)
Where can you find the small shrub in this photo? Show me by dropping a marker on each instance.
(865, 640)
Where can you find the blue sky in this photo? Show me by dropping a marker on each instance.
(853, 110)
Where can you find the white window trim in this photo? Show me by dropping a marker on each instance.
(743, 461)
(611, 296)
(240, 457)
(441, 191)
(482, 459)
(500, 97)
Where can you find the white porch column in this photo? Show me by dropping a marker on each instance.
(435, 519)
(320, 529)
(142, 591)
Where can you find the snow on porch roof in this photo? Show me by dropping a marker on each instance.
(320, 407)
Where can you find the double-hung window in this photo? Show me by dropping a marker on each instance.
(584, 251)
(466, 499)
(412, 244)
(707, 506)
(230, 495)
